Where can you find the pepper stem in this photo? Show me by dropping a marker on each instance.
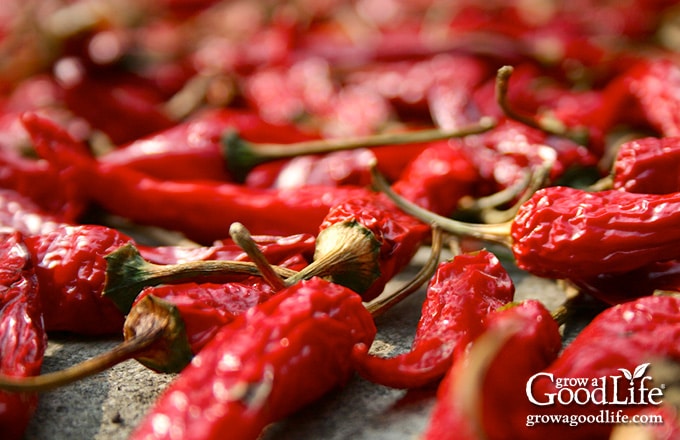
(127, 273)
(154, 335)
(385, 302)
(498, 233)
(242, 237)
(546, 123)
(347, 254)
(242, 155)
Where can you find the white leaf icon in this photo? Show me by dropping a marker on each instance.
(626, 373)
(640, 370)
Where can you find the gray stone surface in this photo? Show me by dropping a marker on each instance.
(108, 406)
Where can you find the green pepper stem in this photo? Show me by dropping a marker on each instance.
(546, 123)
(243, 155)
(385, 302)
(499, 233)
(127, 273)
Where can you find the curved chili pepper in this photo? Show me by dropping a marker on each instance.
(522, 338)
(22, 336)
(460, 297)
(648, 166)
(192, 150)
(256, 369)
(633, 335)
(203, 211)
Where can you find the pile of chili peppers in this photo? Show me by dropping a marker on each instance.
(231, 187)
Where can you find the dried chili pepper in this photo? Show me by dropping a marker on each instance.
(460, 296)
(203, 211)
(70, 266)
(22, 336)
(473, 397)
(192, 150)
(630, 336)
(563, 232)
(647, 166)
(256, 369)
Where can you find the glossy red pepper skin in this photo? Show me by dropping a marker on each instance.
(648, 166)
(22, 335)
(205, 308)
(203, 211)
(622, 337)
(438, 177)
(534, 343)
(399, 234)
(70, 266)
(256, 370)
(564, 232)
(192, 150)
(460, 297)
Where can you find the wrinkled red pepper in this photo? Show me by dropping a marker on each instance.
(70, 266)
(563, 232)
(256, 369)
(460, 297)
(203, 211)
(22, 336)
(648, 166)
(630, 336)
(480, 410)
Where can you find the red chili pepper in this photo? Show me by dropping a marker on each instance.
(648, 166)
(202, 211)
(256, 369)
(70, 266)
(476, 398)
(192, 150)
(438, 177)
(37, 179)
(563, 232)
(23, 340)
(460, 296)
(630, 337)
